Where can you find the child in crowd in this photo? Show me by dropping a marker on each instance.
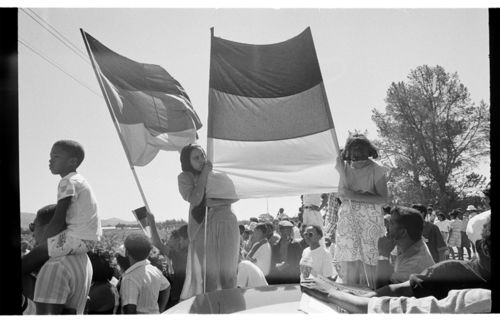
(75, 227)
(316, 260)
(455, 239)
(143, 287)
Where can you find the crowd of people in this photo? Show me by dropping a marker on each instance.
(410, 258)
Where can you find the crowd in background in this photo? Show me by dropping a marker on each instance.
(273, 250)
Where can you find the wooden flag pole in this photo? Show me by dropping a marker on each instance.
(113, 117)
(210, 157)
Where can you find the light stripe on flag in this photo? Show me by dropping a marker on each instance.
(270, 130)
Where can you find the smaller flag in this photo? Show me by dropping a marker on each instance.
(152, 109)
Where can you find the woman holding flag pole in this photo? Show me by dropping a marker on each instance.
(213, 232)
(363, 192)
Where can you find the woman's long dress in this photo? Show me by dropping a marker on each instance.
(222, 244)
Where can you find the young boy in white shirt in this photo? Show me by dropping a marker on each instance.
(75, 227)
(143, 288)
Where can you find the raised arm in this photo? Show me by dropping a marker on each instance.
(155, 237)
(193, 190)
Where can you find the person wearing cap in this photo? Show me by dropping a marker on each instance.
(285, 256)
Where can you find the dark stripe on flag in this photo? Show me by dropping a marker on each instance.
(148, 93)
(268, 119)
(275, 70)
(130, 75)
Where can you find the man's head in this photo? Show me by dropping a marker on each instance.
(260, 231)
(441, 216)
(269, 229)
(406, 223)
(285, 229)
(281, 210)
(138, 246)
(312, 235)
(40, 224)
(65, 157)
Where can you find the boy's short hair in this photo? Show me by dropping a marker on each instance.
(73, 148)
(138, 246)
(45, 214)
(409, 219)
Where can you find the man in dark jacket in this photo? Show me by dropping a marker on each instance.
(285, 257)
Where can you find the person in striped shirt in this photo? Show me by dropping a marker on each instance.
(63, 282)
(143, 289)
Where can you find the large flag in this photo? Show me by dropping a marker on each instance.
(270, 130)
(152, 109)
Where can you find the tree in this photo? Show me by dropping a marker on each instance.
(430, 133)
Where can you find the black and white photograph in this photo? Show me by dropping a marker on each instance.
(218, 159)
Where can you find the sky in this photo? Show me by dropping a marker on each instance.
(360, 52)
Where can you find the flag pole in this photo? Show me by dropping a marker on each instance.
(210, 157)
(113, 117)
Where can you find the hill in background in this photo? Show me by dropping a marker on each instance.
(27, 218)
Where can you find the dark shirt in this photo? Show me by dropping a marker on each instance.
(433, 239)
(442, 277)
(291, 273)
(179, 262)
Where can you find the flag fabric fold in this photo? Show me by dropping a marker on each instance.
(152, 109)
(270, 130)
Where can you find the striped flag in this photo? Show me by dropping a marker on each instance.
(270, 130)
(152, 109)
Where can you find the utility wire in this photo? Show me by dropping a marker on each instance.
(58, 67)
(54, 32)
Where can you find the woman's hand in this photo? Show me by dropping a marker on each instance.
(208, 166)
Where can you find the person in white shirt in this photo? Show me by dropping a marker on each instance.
(260, 254)
(249, 275)
(312, 204)
(316, 260)
(143, 289)
(443, 225)
(75, 227)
